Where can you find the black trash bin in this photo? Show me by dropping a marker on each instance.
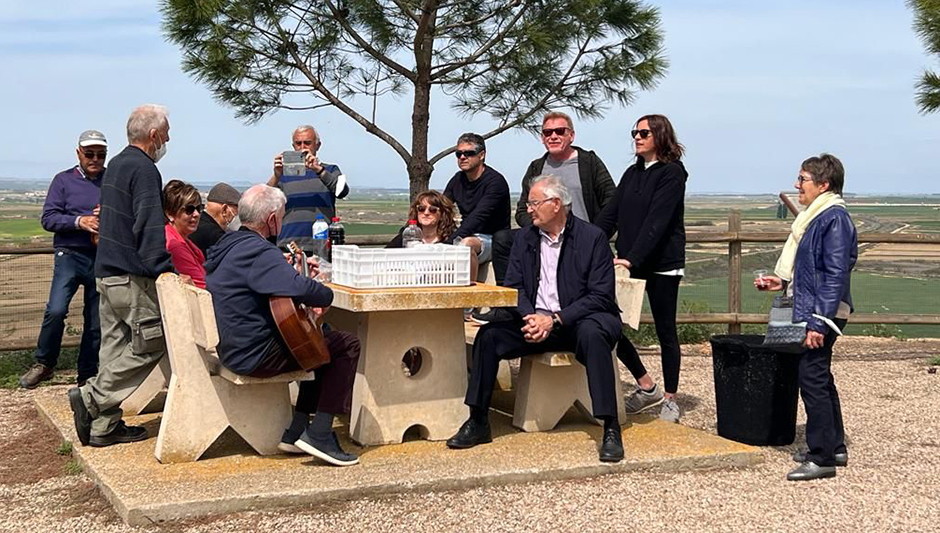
(755, 390)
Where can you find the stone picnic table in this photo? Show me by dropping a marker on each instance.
(389, 322)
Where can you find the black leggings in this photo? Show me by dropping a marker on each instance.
(663, 292)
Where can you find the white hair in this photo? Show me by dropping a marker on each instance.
(258, 203)
(305, 127)
(553, 188)
(145, 118)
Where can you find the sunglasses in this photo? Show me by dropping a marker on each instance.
(190, 209)
(303, 143)
(95, 155)
(547, 132)
(536, 203)
(429, 208)
(642, 133)
(466, 153)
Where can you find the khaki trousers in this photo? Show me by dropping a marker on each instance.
(132, 344)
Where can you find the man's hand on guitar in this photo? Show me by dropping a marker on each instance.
(313, 265)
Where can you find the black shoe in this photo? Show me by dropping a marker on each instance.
(287, 442)
(327, 449)
(81, 416)
(119, 435)
(612, 447)
(470, 434)
(810, 470)
(36, 375)
(842, 459)
(495, 314)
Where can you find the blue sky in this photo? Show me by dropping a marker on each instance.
(753, 89)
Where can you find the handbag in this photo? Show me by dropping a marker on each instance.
(783, 334)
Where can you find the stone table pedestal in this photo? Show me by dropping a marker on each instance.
(387, 401)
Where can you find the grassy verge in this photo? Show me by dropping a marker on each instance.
(14, 364)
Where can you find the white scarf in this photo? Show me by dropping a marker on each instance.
(824, 201)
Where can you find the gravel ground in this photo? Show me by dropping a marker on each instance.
(890, 405)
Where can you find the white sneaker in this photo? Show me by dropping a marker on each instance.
(670, 411)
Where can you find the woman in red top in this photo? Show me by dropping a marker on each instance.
(182, 206)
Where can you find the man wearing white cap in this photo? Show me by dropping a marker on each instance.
(71, 213)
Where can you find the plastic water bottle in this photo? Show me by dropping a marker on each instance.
(411, 236)
(337, 234)
(321, 236)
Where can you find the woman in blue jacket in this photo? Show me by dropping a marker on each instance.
(815, 268)
(647, 213)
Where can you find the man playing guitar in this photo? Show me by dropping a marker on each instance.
(243, 271)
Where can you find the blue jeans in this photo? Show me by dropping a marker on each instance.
(72, 268)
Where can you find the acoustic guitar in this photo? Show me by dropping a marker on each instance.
(301, 331)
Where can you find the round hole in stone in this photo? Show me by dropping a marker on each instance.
(414, 361)
(415, 432)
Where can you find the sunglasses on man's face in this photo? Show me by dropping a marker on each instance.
(642, 133)
(466, 153)
(429, 208)
(95, 155)
(547, 132)
(303, 143)
(190, 209)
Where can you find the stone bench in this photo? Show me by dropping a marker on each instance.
(548, 385)
(203, 397)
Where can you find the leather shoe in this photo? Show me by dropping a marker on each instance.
(80, 415)
(119, 435)
(842, 459)
(810, 470)
(612, 447)
(470, 434)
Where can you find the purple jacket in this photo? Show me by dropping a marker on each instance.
(70, 196)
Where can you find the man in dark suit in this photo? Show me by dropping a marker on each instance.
(563, 270)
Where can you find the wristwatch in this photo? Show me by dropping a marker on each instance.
(556, 321)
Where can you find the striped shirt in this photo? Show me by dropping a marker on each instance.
(308, 195)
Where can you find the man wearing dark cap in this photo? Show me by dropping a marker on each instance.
(71, 213)
(222, 208)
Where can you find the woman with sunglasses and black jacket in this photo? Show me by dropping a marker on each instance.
(647, 213)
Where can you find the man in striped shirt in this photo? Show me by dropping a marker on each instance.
(314, 192)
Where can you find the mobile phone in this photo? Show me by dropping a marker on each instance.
(294, 163)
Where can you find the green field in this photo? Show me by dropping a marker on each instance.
(21, 229)
(871, 293)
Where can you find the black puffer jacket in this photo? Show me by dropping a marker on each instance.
(647, 213)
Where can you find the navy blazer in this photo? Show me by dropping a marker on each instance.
(822, 271)
(585, 274)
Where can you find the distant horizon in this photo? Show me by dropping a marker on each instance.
(244, 184)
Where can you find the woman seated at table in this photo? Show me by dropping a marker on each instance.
(435, 214)
(182, 206)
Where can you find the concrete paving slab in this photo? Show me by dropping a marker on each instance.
(231, 477)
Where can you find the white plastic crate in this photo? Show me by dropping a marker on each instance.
(426, 265)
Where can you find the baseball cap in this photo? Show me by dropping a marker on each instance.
(223, 193)
(92, 138)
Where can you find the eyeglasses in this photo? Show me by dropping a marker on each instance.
(643, 133)
(547, 132)
(536, 203)
(94, 155)
(429, 208)
(802, 179)
(303, 143)
(466, 153)
(190, 209)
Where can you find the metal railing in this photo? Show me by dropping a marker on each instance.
(27, 273)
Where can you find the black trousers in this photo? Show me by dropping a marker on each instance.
(663, 292)
(502, 245)
(331, 390)
(504, 340)
(825, 435)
